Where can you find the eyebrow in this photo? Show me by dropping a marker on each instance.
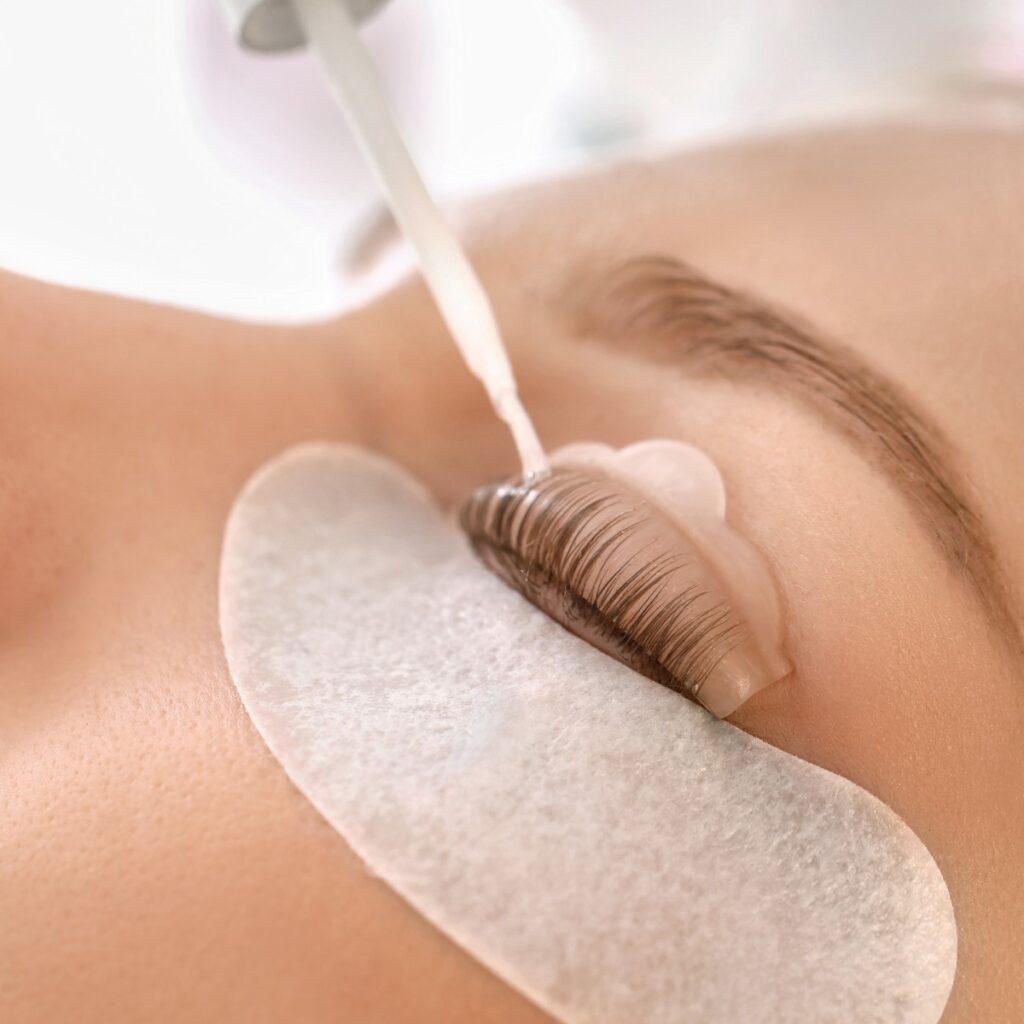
(675, 315)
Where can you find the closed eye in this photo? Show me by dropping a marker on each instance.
(613, 569)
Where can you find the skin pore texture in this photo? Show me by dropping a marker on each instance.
(155, 863)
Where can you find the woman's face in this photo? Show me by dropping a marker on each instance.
(837, 318)
(839, 321)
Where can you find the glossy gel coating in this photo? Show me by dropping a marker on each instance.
(685, 487)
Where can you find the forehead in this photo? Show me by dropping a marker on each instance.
(904, 242)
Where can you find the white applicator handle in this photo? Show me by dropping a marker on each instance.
(330, 30)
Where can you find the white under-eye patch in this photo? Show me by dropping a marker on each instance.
(598, 841)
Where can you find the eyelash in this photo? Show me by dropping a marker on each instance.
(547, 539)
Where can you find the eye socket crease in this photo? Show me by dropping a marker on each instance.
(674, 315)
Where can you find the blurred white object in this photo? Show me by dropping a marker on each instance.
(702, 67)
(271, 122)
(145, 153)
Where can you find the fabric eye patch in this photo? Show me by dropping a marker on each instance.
(600, 842)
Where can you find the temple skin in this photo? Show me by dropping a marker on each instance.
(156, 864)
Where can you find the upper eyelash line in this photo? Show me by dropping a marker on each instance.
(519, 526)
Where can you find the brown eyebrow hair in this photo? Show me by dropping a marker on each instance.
(675, 315)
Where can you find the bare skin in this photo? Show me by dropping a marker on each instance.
(155, 864)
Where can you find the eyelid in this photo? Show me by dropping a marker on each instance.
(608, 565)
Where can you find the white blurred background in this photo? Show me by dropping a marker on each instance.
(143, 153)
